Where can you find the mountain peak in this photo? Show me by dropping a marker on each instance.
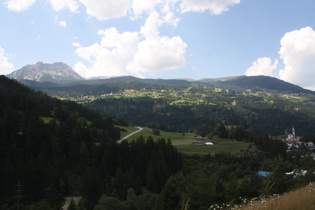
(44, 72)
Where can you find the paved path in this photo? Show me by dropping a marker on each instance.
(129, 135)
(76, 200)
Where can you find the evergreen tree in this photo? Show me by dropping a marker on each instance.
(169, 198)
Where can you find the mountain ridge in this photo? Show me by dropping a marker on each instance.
(43, 72)
(42, 75)
(237, 83)
(257, 83)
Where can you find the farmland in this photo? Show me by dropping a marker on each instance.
(183, 142)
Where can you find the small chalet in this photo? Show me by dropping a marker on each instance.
(202, 141)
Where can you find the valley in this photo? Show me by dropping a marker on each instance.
(184, 143)
(200, 144)
(194, 107)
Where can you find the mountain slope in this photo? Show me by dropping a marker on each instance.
(257, 83)
(48, 151)
(43, 72)
(239, 83)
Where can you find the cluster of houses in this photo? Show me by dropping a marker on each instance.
(294, 142)
(202, 141)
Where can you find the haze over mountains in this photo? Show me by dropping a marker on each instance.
(60, 73)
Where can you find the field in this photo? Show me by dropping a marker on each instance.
(183, 142)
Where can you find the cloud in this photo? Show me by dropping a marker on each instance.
(110, 57)
(19, 5)
(109, 9)
(158, 53)
(58, 5)
(298, 54)
(106, 9)
(140, 6)
(62, 23)
(5, 66)
(214, 6)
(262, 66)
(130, 53)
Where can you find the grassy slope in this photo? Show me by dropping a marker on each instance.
(303, 198)
(183, 143)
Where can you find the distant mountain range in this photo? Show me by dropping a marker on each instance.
(43, 72)
(42, 75)
(256, 84)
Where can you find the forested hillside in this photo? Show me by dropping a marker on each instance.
(264, 103)
(44, 142)
(51, 149)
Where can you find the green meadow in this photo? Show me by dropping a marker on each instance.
(184, 142)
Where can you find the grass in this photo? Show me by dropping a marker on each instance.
(177, 138)
(129, 129)
(183, 142)
(46, 119)
(303, 198)
(223, 145)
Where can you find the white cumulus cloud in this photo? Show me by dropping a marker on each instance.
(106, 9)
(160, 54)
(5, 66)
(262, 66)
(57, 5)
(155, 52)
(19, 5)
(110, 57)
(109, 9)
(214, 6)
(298, 54)
(130, 53)
(140, 6)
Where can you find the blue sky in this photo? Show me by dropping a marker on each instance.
(163, 38)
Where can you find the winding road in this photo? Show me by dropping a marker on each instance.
(129, 135)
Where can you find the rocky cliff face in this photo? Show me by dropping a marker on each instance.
(43, 72)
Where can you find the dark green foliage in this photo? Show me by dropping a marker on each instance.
(72, 206)
(221, 131)
(182, 106)
(170, 196)
(59, 157)
(156, 132)
(110, 203)
(50, 149)
(250, 112)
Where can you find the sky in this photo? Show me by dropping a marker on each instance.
(163, 38)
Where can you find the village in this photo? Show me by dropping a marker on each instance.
(294, 142)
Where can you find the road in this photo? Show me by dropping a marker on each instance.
(129, 135)
(76, 200)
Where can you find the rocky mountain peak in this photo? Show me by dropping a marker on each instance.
(44, 72)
